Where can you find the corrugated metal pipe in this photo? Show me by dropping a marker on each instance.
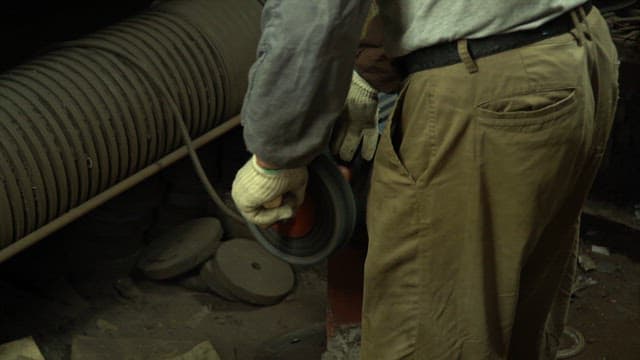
(78, 124)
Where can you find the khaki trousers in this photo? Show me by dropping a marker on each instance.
(476, 195)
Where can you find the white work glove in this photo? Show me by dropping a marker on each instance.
(358, 123)
(266, 196)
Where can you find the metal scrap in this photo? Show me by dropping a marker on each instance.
(600, 250)
(25, 348)
(586, 262)
(582, 282)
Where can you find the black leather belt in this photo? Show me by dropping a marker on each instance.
(447, 53)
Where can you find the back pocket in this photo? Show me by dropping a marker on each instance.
(528, 112)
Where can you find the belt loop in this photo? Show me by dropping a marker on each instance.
(465, 56)
(585, 23)
(577, 30)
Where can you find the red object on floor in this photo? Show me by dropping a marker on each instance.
(345, 285)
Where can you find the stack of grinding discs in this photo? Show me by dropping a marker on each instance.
(181, 249)
(235, 270)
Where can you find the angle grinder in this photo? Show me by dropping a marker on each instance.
(323, 223)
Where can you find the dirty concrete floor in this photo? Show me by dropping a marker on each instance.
(37, 299)
(608, 312)
(57, 309)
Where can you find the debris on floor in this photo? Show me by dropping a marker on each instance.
(605, 306)
(586, 262)
(23, 349)
(137, 348)
(602, 250)
(106, 326)
(345, 344)
(608, 267)
(582, 282)
(572, 343)
(202, 351)
(305, 343)
(171, 320)
(127, 289)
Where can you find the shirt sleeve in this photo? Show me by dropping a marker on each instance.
(299, 82)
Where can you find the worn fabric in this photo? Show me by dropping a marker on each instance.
(386, 103)
(413, 24)
(299, 82)
(476, 194)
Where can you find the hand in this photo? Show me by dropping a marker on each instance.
(358, 123)
(256, 189)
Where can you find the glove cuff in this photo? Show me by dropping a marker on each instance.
(362, 90)
(260, 169)
(269, 183)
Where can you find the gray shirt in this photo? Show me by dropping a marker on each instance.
(300, 79)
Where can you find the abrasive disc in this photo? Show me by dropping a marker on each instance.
(181, 248)
(194, 283)
(209, 277)
(251, 273)
(333, 223)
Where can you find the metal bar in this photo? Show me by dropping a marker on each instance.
(114, 191)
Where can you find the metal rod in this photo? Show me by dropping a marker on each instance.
(114, 191)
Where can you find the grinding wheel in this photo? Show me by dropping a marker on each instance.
(210, 277)
(181, 248)
(194, 283)
(334, 223)
(251, 273)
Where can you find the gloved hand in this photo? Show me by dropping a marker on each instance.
(358, 122)
(255, 187)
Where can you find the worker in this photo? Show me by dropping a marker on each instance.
(479, 177)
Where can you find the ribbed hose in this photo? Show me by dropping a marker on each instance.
(83, 117)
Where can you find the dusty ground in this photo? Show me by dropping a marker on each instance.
(38, 298)
(57, 312)
(608, 313)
